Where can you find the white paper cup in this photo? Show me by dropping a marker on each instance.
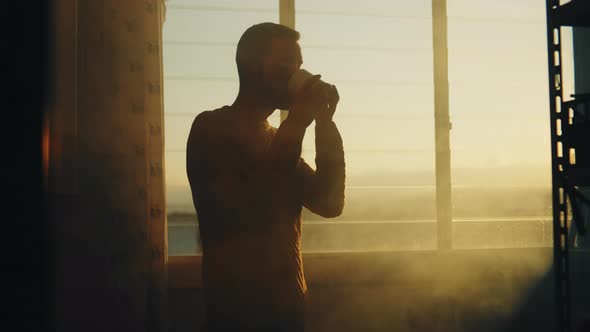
(297, 81)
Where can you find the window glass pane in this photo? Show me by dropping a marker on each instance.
(500, 140)
(379, 55)
(199, 44)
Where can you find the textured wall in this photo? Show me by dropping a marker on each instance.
(106, 167)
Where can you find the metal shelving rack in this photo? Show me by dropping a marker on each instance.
(570, 155)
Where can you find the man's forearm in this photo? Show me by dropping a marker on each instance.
(330, 172)
(329, 158)
(329, 148)
(285, 148)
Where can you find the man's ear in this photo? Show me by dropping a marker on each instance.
(252, 73)
(258, 73)
(251, 67)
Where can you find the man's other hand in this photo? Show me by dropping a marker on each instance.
(332, 97)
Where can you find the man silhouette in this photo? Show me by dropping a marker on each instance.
(249, 185)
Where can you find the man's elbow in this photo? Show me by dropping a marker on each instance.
(332, 208)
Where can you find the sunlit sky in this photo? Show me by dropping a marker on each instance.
(379, 55)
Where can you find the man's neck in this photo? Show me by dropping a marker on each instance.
(252, 109)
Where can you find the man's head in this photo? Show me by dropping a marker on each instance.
(267, 55)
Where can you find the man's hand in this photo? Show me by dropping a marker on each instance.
(310, 101)
(332, 97)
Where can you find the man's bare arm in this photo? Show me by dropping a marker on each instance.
(323, 189)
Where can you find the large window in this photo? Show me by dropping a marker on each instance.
(379, 54)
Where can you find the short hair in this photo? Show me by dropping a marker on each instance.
(255, 43)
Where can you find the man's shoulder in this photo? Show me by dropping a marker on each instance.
(209, 117)
(208, 120)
